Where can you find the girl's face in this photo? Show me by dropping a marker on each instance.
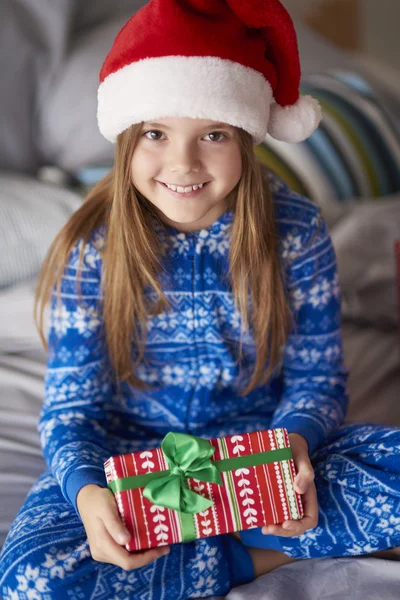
(185, 152)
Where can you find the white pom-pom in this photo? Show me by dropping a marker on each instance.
(294, 123)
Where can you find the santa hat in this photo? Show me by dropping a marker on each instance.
(234, 61)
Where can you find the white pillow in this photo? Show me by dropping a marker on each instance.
(31, 214)
(69, 136)
(33, 36)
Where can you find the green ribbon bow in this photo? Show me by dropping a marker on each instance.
(187, 456)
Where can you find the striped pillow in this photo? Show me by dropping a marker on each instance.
(354, 153)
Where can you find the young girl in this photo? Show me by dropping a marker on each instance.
(193, 293)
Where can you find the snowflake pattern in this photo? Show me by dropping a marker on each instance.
(291, 246)
(30, 585)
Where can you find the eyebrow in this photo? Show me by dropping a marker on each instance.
(212, 126)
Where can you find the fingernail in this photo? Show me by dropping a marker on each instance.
(123, 538)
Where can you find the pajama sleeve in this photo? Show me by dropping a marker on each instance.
(78, 381)
(314, 390)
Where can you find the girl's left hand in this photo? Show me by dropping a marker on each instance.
(303, 484)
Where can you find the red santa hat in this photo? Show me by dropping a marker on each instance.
(234, 61)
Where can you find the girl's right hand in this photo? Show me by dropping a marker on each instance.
(106, 532)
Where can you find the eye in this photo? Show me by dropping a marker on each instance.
(155, 131)
(219, 134)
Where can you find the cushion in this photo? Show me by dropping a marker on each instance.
(33, 38)
(364, 242)
(89, 14)
(355, 152)
(31, 214)
(68, 134)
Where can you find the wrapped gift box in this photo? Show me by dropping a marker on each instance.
(192, 488)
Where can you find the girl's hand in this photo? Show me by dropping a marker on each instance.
(106, 532)
(303, 484)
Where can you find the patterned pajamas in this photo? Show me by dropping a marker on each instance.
(192, 364)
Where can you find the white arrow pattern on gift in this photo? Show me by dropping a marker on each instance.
(205, 530)
(249, 513)
(148, 463)
(161, 529)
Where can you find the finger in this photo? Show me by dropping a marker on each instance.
(116, 528)
(305, 473)
(278, 530)
(293, 528)
(112, 553)
(303, 480)
(310, 518)
(310, 505)
(127, 561)
(113, 521)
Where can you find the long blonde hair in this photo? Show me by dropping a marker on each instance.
(131, 262)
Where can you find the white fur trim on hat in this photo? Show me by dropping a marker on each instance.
(180, 86)
(295, 123)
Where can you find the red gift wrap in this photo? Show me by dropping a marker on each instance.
(251, 496)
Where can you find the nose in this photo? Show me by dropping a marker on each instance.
(184, 157)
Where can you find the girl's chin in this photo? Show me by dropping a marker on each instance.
(191, 221)
(175, 219)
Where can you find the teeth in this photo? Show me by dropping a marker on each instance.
(184, 190)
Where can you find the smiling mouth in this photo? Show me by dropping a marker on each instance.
(185, 194)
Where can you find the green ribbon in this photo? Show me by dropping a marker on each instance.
(187, 456)
(190, 456)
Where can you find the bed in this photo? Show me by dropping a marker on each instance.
(364, 222)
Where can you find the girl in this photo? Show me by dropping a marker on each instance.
(191, 292)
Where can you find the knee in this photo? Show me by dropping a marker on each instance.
(49, 572)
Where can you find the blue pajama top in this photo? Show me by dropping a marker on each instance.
(192, 352)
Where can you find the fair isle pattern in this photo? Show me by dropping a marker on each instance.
(192, 361)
